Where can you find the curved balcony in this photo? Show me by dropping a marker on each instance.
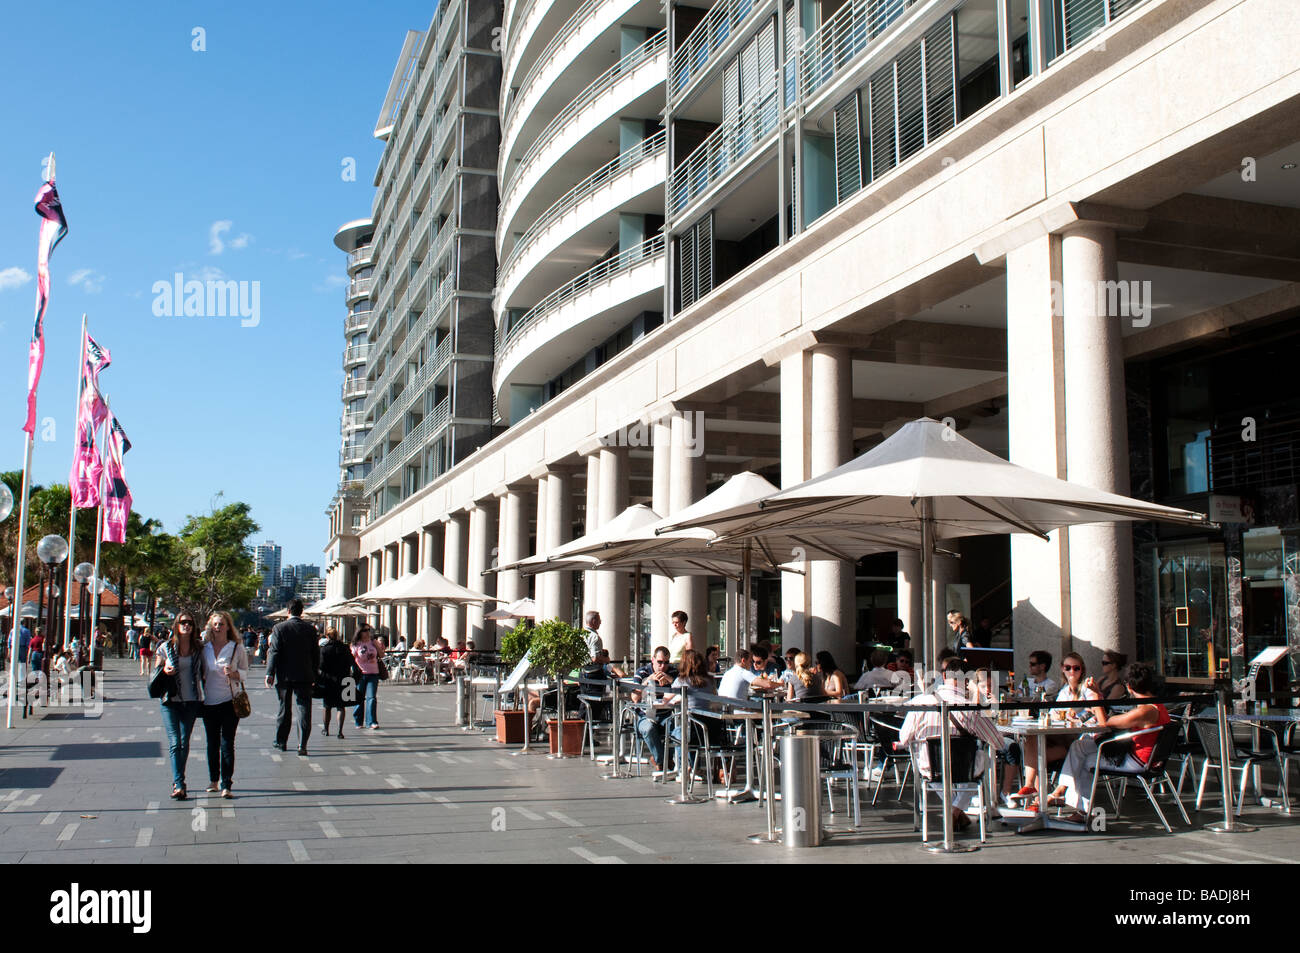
(355, 387)
(352, 420)
(579, 49)
(578, 315)
(356, 354)
(583, 223)
(351, 453)
(578, 136)
(359, 288)
(525, 35)
(358, 321)
(360, 257)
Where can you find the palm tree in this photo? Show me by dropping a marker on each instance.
(128, 560)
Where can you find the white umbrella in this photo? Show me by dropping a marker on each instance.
(519, 609)
(927, 483)
(380, 593)
(333, 607)
(563, 557)
(430, 586)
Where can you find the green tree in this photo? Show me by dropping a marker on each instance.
(208, 566)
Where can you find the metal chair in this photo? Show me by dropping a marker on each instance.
(963, 751)
(887, 732)
(594, 697)
(1151, 776)
(1245, 760)
(839, 761)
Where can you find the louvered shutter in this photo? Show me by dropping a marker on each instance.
(704, 256)
(848, 148)
(883, 141)
(940, 98)
(911, 105)
(686, 279)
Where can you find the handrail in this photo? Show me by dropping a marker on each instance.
(509, 52)
(352, 419)
(724, 148)
(422, 327)
(441, 356)
(356, 321)
(643, 53)
(433, 421)
(446, 72)
(354, 387)
(511, 98)
(359, 287)
(361, 253)
(442, 18)
(624, 261)
(709, 36)
(446, 123)
(447, 175)
(848, 32)
(624, 162)
(356, 353)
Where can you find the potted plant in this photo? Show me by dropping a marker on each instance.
(557, 648)
(512, 725)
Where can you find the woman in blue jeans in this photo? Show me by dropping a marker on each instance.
(182, 658)
(366, 654)
(225, 665)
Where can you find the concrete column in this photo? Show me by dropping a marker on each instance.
(1040, 595)
(540, 546)
(612, 588)
(455, 553)
(390, 573)
(559, 530)
(796, 396)
(591, 580)
(482, 548)
(1102, 608)
(661, 503)
(514, 523)
(689, 594)
(909, 593)
(431, 541)
(408, 616)
(947, 569)
(834, 599)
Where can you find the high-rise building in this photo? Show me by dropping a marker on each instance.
(266, 563)
(761, 235)
(311, 589)
(303, 571)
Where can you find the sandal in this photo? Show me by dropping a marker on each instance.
(212, 788)
(1055, 800)
(178, 794)
(1027, 791)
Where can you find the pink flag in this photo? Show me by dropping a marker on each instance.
(117, 495)
(53, 227)
(91, 412)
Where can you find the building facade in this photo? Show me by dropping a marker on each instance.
(760, 236)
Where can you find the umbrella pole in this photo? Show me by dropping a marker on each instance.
(636, 615)
(742, 638)
(928, 652)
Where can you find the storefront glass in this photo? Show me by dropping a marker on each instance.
(1191, 609)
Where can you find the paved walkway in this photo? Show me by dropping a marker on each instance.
(95, 790)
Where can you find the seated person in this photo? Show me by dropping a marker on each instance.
(650, 721)
(1076, 774)
(879, 678)
(807, 681)
(761, 654)
(835, 684)
(919, 727)
(1039, 681)
(1075, 690)
(649, 667)
(600, 668)
(898, 636)
(787, 673)
(693, 676)
(738, 680)
(1111, 685)
(711, 664)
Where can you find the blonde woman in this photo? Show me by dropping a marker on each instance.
(225, 665)
(806, 680)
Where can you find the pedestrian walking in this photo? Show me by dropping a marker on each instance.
(292, 660)
(36, 663)
(146, 649)
(366, 654)
(132, 643)
(336, 667)
(225, 665)
(181, 657)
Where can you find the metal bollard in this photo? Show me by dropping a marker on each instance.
(684, 757)
(769, 780)
(1230, 824)
(615, 772)
(801, 800)
(461, 714)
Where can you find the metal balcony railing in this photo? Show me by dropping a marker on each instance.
(438, 194)
(359, 287)
(356, 387)
(644, 53)
(446, 73)
(428, 320)
(360, 255)
(356, 353)
(571, 26)
(445, 126)
(721, 23)
(356, 321)
(412, 392)
(352, 419)
(512, 50)
(724, 148)
(648, 250)
(850, 31)
(624, 162)
(444, 20)
(411, 443)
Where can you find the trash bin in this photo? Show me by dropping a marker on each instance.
(801, 791)
(462, 700)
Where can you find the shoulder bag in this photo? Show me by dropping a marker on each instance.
(239, 699)
(161, 684)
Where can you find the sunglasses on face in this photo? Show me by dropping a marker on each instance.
(1071, 668)
(1107, 661)
(184, 622)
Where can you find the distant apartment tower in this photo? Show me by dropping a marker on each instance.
(311, 589)
(302, 572)
(266, 563)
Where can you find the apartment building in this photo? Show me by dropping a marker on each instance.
(759, 236)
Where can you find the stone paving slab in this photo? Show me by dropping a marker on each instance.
(421, 790)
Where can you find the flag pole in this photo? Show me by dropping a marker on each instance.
(72, 517)
(99, 538)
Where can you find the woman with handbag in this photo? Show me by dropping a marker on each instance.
(335, 665)
(367, 657)
(178, 683)
(225, 666)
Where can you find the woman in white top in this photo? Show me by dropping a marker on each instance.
(225, 665)
(1075, 690)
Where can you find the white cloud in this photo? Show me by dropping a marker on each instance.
(13, 278)
(91, 281)
(206, 273)
(215, 245)
(294, 254)
(335, 281)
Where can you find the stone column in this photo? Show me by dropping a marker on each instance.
(455, 553)
(909, 594)
(1040, 595)
(513, 526)
(540, 593)
(408, 616)
(559, 530)
(482, 547)
(591, 521)
(661, 503)
(689, 594)
(1102, 608)
(431, 541)
(390, 573)
(796, 396)
(833, 600)
(612, 588)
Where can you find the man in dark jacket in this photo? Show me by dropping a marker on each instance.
(292, 660)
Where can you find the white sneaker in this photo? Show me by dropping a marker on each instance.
(374, 727)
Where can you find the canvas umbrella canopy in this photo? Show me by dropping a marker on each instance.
(333, 607)
(519, 609)
(430, 586)
(573, 554)
(928, 483)
(381, 593)
(279, 614)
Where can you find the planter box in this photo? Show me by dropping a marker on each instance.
(573, 729)
(510, 726)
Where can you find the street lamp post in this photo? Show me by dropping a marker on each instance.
(51, 551)
(83, 573)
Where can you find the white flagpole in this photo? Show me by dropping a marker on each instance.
(15, 607)
(72, 518)
(99, 538)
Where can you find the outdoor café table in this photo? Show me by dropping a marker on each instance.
(747, 793)
(1034, 728)
(1279, 717)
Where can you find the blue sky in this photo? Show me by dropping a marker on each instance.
(225, 162)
